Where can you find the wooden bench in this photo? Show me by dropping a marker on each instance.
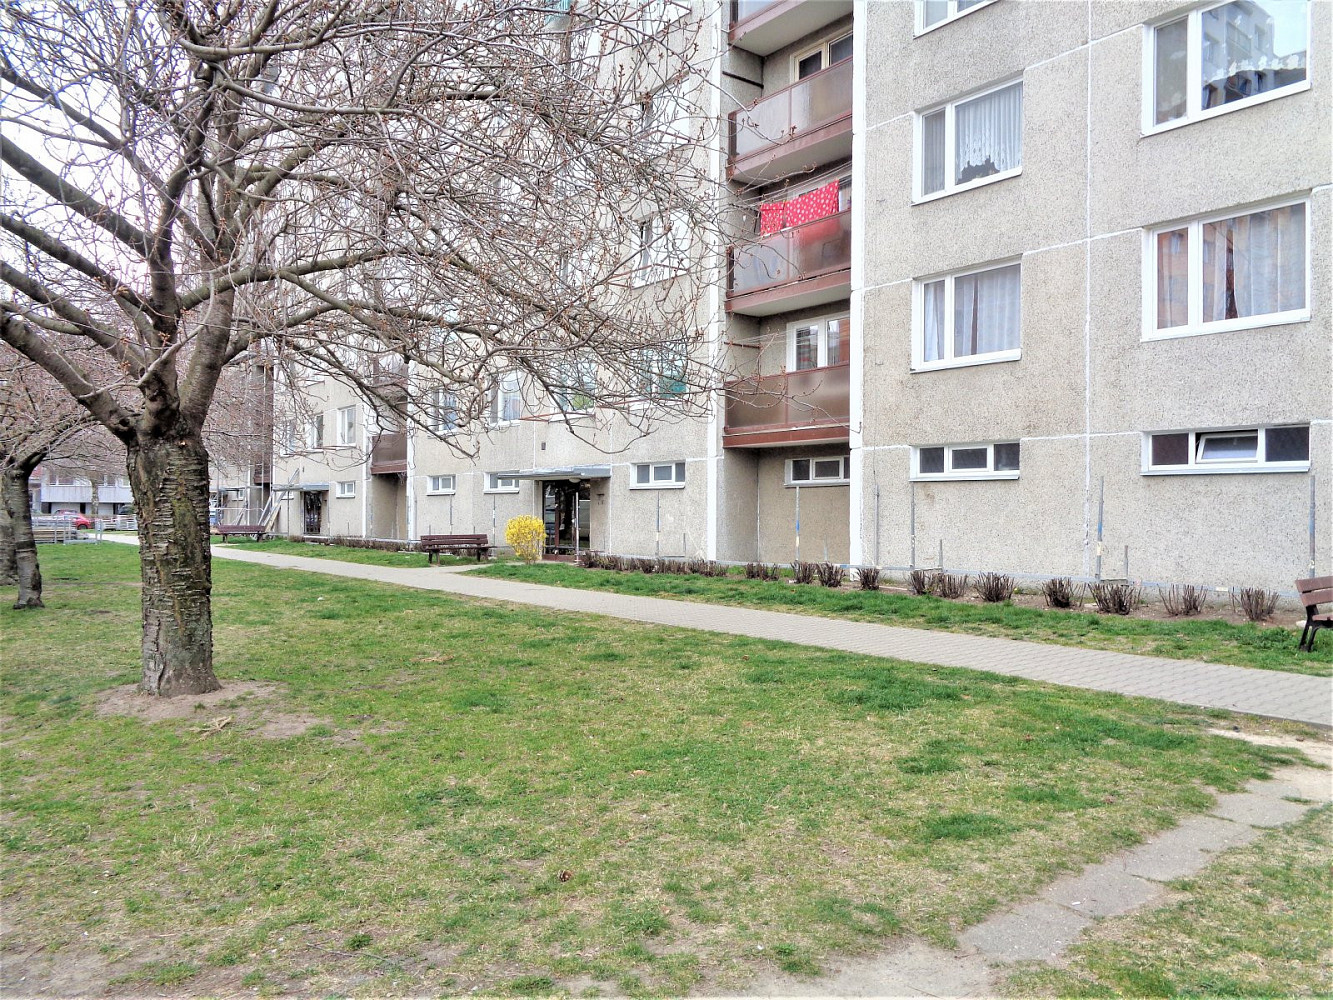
(1313, 592)
(258, 530)
(434, 545)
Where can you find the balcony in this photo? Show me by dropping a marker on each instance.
(807, 265)
(764, 26)
(388, 454)
(805, 125)
(807, 407)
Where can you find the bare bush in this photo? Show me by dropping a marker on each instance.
(1116, 598)
(950, 585)
(772, 572)
(831, 574)
(803, 572)
(646, 565)
(1255, 603)
(754, 571)
(867, 577)
(714, 569)
(1060, 593)
(1186, 600)
(587, 558)
(921, 581)
(994, 587)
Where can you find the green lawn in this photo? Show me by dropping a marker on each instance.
(345, 553)
(1268, 648)
(518, 800)
(1255, 923)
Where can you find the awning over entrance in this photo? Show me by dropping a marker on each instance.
(569, 472)
(314, 487)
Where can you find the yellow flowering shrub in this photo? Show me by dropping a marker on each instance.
(526, 534)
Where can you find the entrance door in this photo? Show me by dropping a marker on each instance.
(313, 504)
(565, 509)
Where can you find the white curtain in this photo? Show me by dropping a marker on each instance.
(1172, 279)
(932, 296)
(989, 134)
(986, 311)
(932, 152)
(1254, 265)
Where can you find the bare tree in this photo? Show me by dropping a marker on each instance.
(38, 419)
(454, 188)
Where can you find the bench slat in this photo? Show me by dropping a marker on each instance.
(1313, 598)
(1314, 583)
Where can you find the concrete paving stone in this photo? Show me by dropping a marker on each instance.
(1185, 850)
(1039, 930)
(1103, 890)
(1254, 809)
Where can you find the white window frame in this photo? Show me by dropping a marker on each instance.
(347, 426)
(821, 349)
(435, 408)
(675, 481)
(1194, 327)
(345, 490)
(954, 14)
(508, 385)
(1196, 467)
(962, 475)
(498, 482)
(1194, 111)
(823, 47)
(919, 363)
(664, 247)
(435, 487)
(843, 479)
(314, 430)
(919, 197)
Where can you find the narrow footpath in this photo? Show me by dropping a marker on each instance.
(1268, 693)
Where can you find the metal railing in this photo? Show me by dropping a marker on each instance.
(810, 398)
(805, 251)
(388, 453)
(807, 105)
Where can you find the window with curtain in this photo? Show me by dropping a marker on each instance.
(974, 316)
(971, 141)
(817, 343)
(1240, 51)
(508, 404)
(1231, 272)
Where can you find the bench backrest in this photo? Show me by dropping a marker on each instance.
(454, 540)
(1315, 591)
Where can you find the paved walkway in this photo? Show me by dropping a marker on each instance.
(1268, 693)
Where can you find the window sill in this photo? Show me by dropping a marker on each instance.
(657, 486)
(980, 182)
(1203, 116)
(969, 362)
(962, 477)
(1230, 470)
(442, 493)
(344, 496)
(1231, 325)
(494, 492)
(817, 482)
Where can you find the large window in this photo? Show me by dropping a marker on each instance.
(574, 386)
(997, 460)
(817, 343)
(1248, 449)
(1223, 57)
(663, 246)
(970, 142)
(1229, 273)
(441, 411)
(822, 56)
(347, 426)
(826, 470)
(969, 318)
(933, 13)
(314, 433)
(662, 372)
(508, 403)
(658, 475)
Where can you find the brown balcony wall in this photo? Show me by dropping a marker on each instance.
(764, 26)
(806, 407)
(805, 265)
(388, 454)
(805, 125)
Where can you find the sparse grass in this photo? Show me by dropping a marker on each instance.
(510, 798)
(345, 553)
(1244, 645)
(1255, 923)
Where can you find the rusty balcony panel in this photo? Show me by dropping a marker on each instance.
(805, 407)
(778, 264)
(807, 124)
(388, 454)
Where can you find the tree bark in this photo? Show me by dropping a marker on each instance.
(169, 478)
(18, 505)
(9, 567)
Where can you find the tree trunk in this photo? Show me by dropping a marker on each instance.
(18, 505)
(169, 477)
(9, 567)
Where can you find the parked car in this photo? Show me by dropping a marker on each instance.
(78, 520)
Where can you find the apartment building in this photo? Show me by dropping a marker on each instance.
(1022, 286)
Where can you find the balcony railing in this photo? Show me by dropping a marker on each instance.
(743, 9)
(388, 454)
(806, 407)
(792, 255)
(793, 115)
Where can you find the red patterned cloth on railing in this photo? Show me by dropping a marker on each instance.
(820, 203)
